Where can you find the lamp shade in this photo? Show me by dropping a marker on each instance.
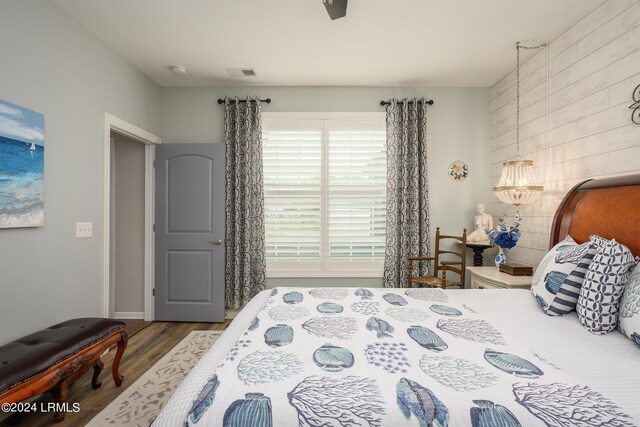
(517, 185)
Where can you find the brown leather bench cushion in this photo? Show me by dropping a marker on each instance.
(31, 355)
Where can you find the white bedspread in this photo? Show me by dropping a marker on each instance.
(609, 364)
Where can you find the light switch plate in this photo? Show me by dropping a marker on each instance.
(84, 230)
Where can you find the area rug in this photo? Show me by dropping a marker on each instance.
(141, 403)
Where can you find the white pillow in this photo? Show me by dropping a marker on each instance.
(629, 320)
(553, 270)
(603, 287)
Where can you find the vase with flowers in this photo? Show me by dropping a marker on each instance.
(505, 236)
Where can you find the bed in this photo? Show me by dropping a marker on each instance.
(301, 356)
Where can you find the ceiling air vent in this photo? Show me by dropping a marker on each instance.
(241, 72)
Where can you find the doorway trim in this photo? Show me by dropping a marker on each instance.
(113, 123)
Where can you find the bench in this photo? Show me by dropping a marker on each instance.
(54, 358)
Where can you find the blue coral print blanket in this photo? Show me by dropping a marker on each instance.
(376, 357)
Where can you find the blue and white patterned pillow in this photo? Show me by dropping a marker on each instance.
(554, 269)
(603, 287)
(567, 297)
(629, 320)
(598, 240)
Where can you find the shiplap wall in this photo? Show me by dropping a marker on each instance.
(574, 117)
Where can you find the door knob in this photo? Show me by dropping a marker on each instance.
(217, 242)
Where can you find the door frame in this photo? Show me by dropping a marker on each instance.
(113, 123)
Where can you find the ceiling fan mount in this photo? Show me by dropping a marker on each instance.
(336, 8)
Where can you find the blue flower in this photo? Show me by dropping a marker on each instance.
(506, 240)
(506, 236)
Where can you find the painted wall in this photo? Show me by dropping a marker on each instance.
(54, 66)
(458, 129)
(592, 70)
(128, 186)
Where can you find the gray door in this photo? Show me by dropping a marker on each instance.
(190, 232)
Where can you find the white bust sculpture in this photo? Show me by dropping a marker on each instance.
(483, 222)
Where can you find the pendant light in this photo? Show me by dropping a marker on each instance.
(517, 185)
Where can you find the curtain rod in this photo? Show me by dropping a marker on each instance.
(430, 102)
(268, 100)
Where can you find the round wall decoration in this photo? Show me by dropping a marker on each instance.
(458, 170)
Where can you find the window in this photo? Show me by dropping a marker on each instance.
(325, 185)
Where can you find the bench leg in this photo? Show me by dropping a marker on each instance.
(97, 368)
(122, 344)
(60, 394)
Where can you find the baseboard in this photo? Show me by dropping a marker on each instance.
(231, 314)
(128, 315)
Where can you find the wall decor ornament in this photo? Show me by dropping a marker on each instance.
(458, 170)
(21, 167)
(635, 114)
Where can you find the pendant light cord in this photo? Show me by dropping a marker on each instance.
(518, 47)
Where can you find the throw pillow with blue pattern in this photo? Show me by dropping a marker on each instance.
(603, 286)
(629, 320)
(554, 269)
(567, 297)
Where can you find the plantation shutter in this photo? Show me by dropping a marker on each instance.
(357, 187)
(292, 187)
(324, 185)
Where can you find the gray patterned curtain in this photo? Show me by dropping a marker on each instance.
(244, 205)
(407, 190)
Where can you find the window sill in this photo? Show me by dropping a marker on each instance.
(365, 274)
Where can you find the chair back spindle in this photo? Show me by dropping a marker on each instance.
(441, 267)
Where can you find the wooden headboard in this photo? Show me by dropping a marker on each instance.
(607, 207)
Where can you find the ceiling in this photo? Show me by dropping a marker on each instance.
(294, 43)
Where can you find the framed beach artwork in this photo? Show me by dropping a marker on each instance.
(21, 167)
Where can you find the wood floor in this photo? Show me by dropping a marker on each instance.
(144, 349)
(135, 325)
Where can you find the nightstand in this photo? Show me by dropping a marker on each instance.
(491, 278)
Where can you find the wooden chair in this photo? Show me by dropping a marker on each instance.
(441, 267)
